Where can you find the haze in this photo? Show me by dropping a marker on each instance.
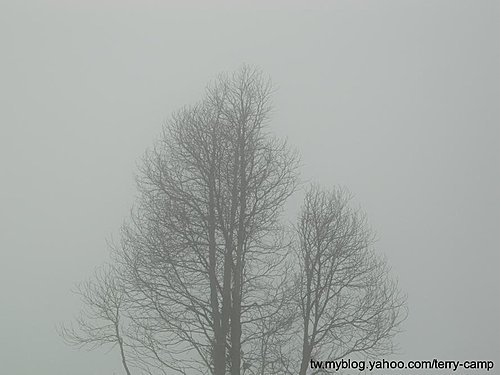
(396, 100)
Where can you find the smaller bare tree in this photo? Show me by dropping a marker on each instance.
(101, 322)
(349, 304)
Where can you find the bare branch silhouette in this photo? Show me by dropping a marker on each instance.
(101, 321)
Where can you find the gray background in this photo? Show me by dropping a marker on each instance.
(397, 100)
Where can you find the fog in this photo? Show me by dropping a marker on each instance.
(396, 100)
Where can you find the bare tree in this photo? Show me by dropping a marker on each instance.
(207, 265)
(348, 303)
(101, 321)
(204, 248)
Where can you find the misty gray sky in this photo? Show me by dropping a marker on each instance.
(396, 100)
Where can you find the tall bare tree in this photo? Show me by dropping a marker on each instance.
(205, 245)
(206, 264)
